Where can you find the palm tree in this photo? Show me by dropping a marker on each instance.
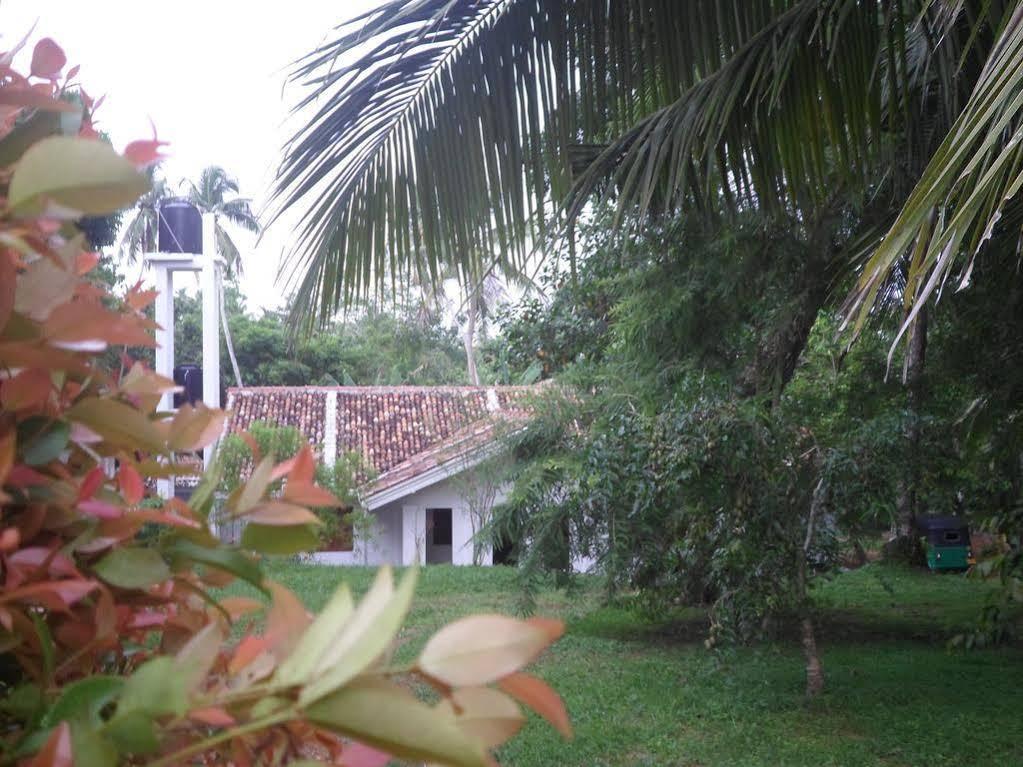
(440, 130)
(140, 233)
(217, 194)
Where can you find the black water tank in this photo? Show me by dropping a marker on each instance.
(189, 378)
(180, 227)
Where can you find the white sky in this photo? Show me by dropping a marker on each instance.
(209, 75)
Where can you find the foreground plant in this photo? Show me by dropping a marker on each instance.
(114, 648)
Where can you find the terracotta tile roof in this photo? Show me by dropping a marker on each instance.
(302, 407)
(389, 425)
(458, 446)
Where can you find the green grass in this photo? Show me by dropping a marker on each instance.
(645, 693)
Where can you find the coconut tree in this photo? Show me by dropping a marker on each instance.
(140, 233)
(464, 130)
(216, 193)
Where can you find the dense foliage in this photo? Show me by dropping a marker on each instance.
(114, 648)
(679, 478)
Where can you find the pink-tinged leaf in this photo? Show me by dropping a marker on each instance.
(72, 73)
(142, 154)
(481, 649)
(286, 621)
(56, 752)
(47, 59)
(93, 481)
(281, 514)
(130, 483)
(488, 715)
(214, 717)
(22, 477)
(145, 619)
(58, 595)
(308, 494)
(248, 650)
(10, 539)
(161, 518)
(536, 694)
(56, 562)
(554, 629)
(100, 509)
(358, 754)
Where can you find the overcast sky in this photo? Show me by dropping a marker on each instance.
(208, 74)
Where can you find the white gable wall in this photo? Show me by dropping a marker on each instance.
(400, 535)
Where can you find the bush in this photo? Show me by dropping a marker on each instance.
(114, 649)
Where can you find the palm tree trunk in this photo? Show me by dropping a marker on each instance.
(814, 667)
(470, 346)
(227, 334)
(916, 354)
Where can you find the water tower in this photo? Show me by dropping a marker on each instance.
(185, 243)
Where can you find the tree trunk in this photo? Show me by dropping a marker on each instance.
(908, 501)
(470, 344)
(814, 667)
(227, 335)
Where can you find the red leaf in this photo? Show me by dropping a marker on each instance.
(131, 485)
(93, 481)
(142, 154)
(57, 750)
(305, 466)
(360, 755)
(47, 59)
(28, 389)
(541, 698)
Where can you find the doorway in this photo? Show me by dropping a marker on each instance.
(438, 536)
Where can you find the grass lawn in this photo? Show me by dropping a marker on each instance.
(645, 693)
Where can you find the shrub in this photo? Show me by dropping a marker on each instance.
(114, 648)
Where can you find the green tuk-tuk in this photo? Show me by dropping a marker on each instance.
(946, 542)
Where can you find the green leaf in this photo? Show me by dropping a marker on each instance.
(304, 660)
(481, 649)
(371, 628)
(84, 699)
(91, 747)
(157, 688)
(270, 539)
(384, 716)
(133, 732)
(42, 439)
(118, 423)
(84, 175)
(231, 560)
(133, 568)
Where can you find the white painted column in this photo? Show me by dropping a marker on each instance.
(210, 289)
(413, 535)
(164, 316)
(330, 456)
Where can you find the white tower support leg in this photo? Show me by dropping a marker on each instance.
(164, 315)
(210, 323)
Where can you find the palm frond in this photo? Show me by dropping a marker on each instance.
(447, 131)
(960, 198)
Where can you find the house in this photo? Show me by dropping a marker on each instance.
(428, 447)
